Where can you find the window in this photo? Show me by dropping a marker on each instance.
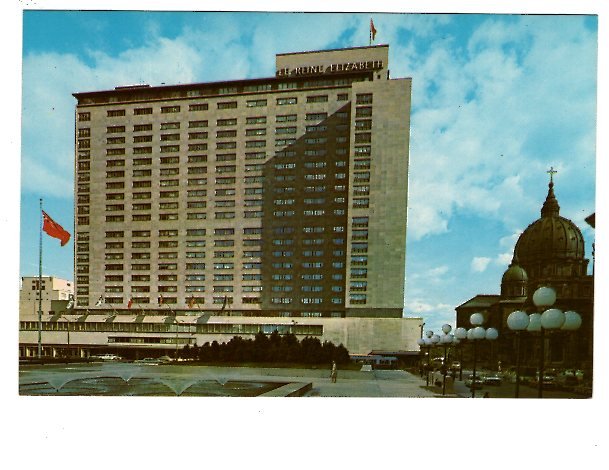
(316, 116)
(227, 105)
(363, 111)
(286, 101)
(170, 109)
(342, 97)
(141, 150)
(286, 130)
(171, 148)
(226, 133)
(115, 112)
(141, 111)
(227, 122)
(165, 137)
(198, 107)
(84, 116)
(286, 118)
(363, 98)
(254, 132)
(317, 99)
(255, 143)
(256, 120)
(255, 103)
(140, 138)
(142, 127)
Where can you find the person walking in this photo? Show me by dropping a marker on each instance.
(334, 372)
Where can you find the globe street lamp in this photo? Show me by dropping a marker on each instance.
(427, 343)
(460, 335)
(518, 321)
(446, 341)
(552, 319)
(475, 334)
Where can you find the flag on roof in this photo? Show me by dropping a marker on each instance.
(372, 30)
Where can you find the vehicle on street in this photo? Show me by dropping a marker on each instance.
(106, 357)
(477, 384)
(494, 379)
(148, 360)
(456, 365)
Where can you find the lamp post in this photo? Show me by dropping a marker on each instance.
(460, 335)
(552, 319)
(446, 341)
(518, 321)
(475, 334)
(427, 343)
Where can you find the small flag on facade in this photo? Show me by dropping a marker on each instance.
(70, 303)
(53, 229)
(372, 31)
(191, 302)
(161, 300)
(225, 302)
(100, 301)
(130, 303)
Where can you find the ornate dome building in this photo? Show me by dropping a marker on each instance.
(549, 252)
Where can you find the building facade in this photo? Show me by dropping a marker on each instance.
(210, 210)
(282, 196)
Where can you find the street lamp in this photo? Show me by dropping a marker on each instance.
(552, 319)
(446, 341)
(475, 334)
(460, 335)
(518, 321)
(427, 343)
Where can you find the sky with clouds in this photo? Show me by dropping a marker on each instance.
(496, 101)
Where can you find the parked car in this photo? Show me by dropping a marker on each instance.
(494, 379)
(106, 357)
(148, 360)
(456, 365)
(477, 384)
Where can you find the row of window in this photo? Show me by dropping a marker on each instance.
(149, 327)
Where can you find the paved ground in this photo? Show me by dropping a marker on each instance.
(378, 383)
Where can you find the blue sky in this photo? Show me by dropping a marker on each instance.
(495, 104)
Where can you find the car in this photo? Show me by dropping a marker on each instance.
(106, 357)
(494, 379)
(456, 365)
(148, 360)
(477, 384)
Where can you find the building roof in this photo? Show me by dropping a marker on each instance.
(480, 301)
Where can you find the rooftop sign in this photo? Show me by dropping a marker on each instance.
(329, 69)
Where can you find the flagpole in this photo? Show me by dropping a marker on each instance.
(40, 287)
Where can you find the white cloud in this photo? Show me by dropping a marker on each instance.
(480, 263)
(493, 123)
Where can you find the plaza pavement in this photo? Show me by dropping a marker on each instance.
(299, 382)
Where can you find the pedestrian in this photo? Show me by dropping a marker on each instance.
(334, 372)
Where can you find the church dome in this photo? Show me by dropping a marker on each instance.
(514, 273)
(514, 281)
(551, 238)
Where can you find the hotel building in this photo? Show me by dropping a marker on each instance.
(277, 198)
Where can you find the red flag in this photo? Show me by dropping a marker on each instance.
(161, 299)
(130, 303)
(53, 229)
(191, 302)
(372, 30)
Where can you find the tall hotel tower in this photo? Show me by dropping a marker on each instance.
(282, 196)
